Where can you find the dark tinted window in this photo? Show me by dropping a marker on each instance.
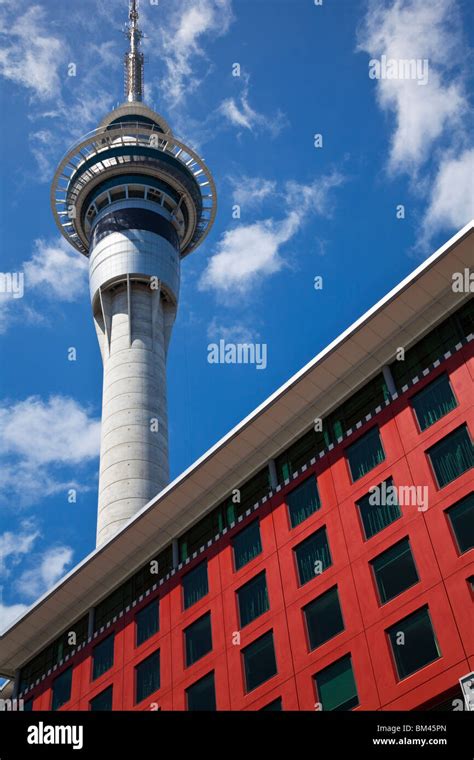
(195, 585)
(259, 661)
(202, 695)
(413, 642)
(147, 675)
(323, 618)
(313, 556)
(247, 545)
(198, 638)
(303, 501)
(394, 570)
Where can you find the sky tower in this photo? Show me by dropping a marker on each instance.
(135, 201)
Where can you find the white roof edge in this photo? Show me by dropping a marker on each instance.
(439, 253)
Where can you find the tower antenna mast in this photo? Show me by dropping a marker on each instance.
(134, 58)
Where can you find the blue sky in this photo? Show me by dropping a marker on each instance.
(305, 211)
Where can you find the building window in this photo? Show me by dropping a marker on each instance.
(259, 661)
(102, 702)
(275, 706)
(313, 556)
(434, 345)
(298, 454)
(195, 585)
(413, 642)
(335, 686)
(147, 676)
(28, 705)
(247, 545)
(365, 454)
(133, 588)
(394, 570)
(461, 517)
(198, 639)
(202, 695)
(379, 508)
(433, 402)
(103, 657)
(452, 456)
(303, 501)
(147, 622)
(62, 689)
(253, 599)
(200, 534)
(53, 654)
(323, 618)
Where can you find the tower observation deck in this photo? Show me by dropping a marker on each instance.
(134, 201)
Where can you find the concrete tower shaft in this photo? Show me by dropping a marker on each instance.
(135, 201)
(134, 282)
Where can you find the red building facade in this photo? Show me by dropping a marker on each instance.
(352, 657)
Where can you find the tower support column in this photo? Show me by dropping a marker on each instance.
(134, 440)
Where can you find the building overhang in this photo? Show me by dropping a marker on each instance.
(407, 312)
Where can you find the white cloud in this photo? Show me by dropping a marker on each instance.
(57, 431)
(14, 545)
(44, 570)
(416, 29)
(32, 56)
(190, 22)
(452, 196)
(248, 253)
(236, 333)
(10, 613)
(57, 269)
(39, 437)
(50, 567)
(252, 190)
(240, 113)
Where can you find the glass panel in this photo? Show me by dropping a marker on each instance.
(198, 638)
(28, 705)
(200, 534)
(133, 587)
(434, 345)
(253, 599)
(452, 456)
(252, 491)
(102, 702)
(465, 318)
(148, 676)
(376, 516)
(202, 694)
(355, 409)
(303, 501)
(413, 642)
(313, 556)
(53, 654)
(273, 706)
(394, 570)
(195, 585)
(147, 622)
(103, 657)
(247, 545)
(62, 689)
(323, 618)
(365, 454)
(433, 402)
(461, 516)
(336, 686)
(299, 453)
(259, 661)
